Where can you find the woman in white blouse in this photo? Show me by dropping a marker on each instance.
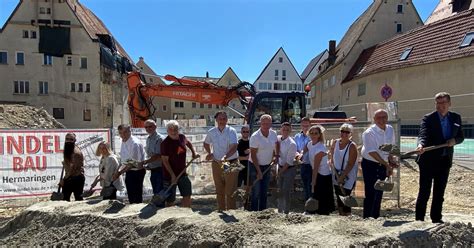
(322, 176)
(343, 157)
(108, 166)
(286, 168)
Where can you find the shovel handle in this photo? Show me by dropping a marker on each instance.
(429, 148)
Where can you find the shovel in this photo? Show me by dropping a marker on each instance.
(58, 196)
(386, 185)
(408, 155)
(311, 205)
(164, 194)
(347, 200)
(244, 193)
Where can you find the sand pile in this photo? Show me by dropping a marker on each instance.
(112, 224)
(21, 116)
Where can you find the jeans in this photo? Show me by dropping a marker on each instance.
(156, 180)
(258, 197)
(373, 198)
(285, 186)
(306, 177)
(242, 179)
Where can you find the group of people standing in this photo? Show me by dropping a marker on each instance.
(324, 172)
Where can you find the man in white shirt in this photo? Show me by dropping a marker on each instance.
(132, 149)
(376, 164)
(263, 143)
(223, 140)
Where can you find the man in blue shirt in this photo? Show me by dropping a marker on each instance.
(301, 140)
(438, 127)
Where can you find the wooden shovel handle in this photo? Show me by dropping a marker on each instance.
(429, 148)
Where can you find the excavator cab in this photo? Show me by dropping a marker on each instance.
(283, 107)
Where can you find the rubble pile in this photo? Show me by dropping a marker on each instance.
(15, 116)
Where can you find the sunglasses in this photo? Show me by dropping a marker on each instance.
(69, 139)
(346, 132)
(245, 132)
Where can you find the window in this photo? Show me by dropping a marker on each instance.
(271, 106)
(21, 87)
(399, 27)
(88, 87)
(332, 81)
(325, 84)
(20, 58)
(467, 41)
(264, 86)
(86, 115)
(276, 74)
(48, 11)
(193, 105)
(33, 35)
(163, 108)
(283, 75)
(47, 59)
(399, 8)
(69, 60)
(280, 60)
(73, 87)
(43, 88)
(80, 88)
(361, 89)
(26, 34)
(298, 87)
(201, 105)
(405, 54)
(292, 87)
(3, 57)
(209, 106)
(83, 63)
(348, 94)
(58, 113)
(308, 101)
(279, 86)
(42, 10)
(179, 104)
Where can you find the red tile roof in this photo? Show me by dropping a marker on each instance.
(435, 42)
(92, 24)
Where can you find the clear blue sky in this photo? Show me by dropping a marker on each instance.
(190, 37)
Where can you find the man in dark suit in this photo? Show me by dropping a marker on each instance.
(438, 127)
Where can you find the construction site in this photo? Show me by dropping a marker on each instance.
(114, 223)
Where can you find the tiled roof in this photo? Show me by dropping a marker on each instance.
(92, 24)
(438, 41)
(311, 65)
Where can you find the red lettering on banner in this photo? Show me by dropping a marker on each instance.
(36, 163)
(17, 164)
(33, 144)
(47, 144)
(12, 143)
(1, 146)
(57, 144)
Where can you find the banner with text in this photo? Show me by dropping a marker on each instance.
(31, 160)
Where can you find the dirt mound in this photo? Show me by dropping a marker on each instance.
(113, 224)
(21, 116)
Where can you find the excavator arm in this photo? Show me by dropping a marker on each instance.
(141, 94)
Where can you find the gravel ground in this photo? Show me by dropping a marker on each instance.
(113, 224)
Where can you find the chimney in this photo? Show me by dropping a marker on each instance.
(207, 74)
(140, 59)
(332, 52)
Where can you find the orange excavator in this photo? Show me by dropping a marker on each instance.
(283, 107)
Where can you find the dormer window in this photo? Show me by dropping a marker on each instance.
(405, 54)
(467, 41)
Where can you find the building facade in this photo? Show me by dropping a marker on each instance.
(59, 56)
(382, 20)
